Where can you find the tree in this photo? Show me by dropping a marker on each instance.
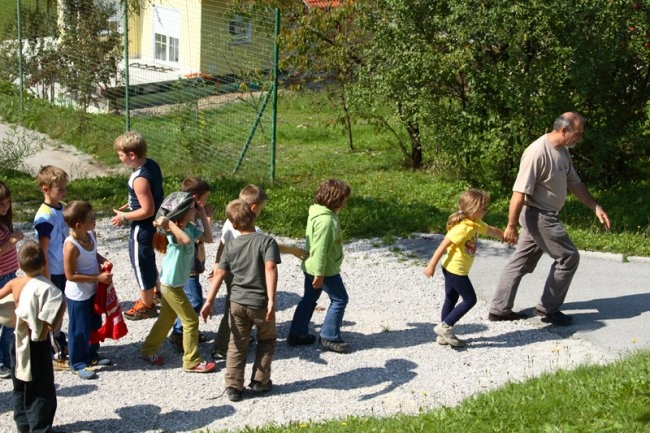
(322, 47)
(475, 83)
(89, 50)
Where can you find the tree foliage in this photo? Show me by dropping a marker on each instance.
(89, 50)
(323, 47)
(472, 83)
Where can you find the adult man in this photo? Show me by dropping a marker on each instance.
(545, 175)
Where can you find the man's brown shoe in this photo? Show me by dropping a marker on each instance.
(506, 317)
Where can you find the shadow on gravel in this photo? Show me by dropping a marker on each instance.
(418, 333)
(146, 417)
(126, 357)
(396, 372)
(6, 401)
(75, 391)
(509, 339)
(590, 315)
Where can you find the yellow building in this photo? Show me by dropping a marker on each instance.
(201, 38)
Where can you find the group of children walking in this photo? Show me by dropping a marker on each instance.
(63, 268)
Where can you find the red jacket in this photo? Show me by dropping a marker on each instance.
(106, 303)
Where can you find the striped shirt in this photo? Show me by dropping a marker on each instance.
(8, 260)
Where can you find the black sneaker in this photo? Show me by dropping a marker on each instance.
(334, 346)
(257, 386)
(233, 394)
(506, 317)
(556, 318)
(294, 340)
(177, 341)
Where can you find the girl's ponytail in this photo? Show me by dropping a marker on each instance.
(455, 218)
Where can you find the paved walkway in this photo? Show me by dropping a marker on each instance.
(609, 299)
(51, 152)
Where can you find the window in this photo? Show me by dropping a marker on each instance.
(166, 34)
(160, 48)
(165, 48)
(240, 29)
(173, 50)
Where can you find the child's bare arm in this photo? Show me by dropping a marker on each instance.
(219, 252)
(495, 233)
(44, 242)
(207, 310)
(215, 266)
(296, 251)
(147, 206)
(271, 276)
(11, 242)
(170, 226)
(6, 289)
(440, 251)
(207, 235)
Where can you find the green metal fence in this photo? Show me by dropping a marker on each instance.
(198, 78)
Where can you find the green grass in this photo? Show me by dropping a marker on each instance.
(611, 398)
(387, 200)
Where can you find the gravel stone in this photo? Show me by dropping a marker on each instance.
(395, 364)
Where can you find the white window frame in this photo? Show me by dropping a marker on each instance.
(166, 35)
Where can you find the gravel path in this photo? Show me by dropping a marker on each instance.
(396, 366)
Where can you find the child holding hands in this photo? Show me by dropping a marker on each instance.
(463, 228)
(176, 218)
(82, 264)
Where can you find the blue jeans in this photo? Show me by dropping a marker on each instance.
(82, 320)
(331, 328)
(194, 292)
(6, 334)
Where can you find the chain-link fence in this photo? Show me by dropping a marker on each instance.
(198, 77)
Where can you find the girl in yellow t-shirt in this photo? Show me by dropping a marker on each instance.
(463, 228)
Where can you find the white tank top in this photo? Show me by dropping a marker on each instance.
(86, 264)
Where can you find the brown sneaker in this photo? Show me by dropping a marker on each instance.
(60, 365)
(140, 311)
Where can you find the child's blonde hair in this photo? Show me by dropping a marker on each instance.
(253, 194)
(131, 141)
(50, 175)
(240, 215)
(6, 220)
(469, 202)
(76, 211)
(31, 258)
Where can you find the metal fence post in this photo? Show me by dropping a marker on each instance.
(127, 111)
(20, 58)
(274, 112)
